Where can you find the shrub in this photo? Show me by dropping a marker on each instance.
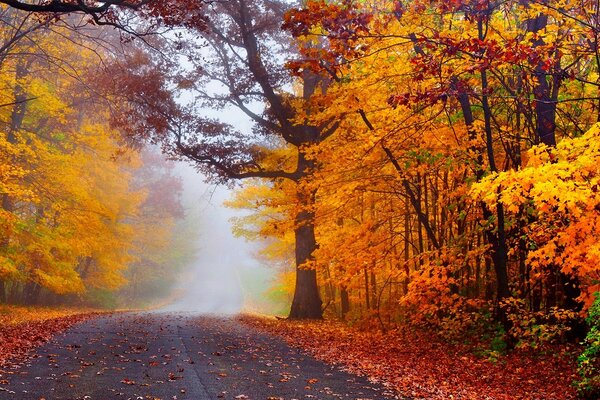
(588, 362)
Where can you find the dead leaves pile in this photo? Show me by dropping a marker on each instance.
(421, 366)
(23, 329)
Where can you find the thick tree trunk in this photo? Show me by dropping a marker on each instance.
(307, 300)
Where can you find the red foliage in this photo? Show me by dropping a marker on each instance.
(157, 13)
(344, 25)
(420, 365)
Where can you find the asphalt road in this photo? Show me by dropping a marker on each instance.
(176, 356)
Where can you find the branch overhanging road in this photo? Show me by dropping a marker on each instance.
(176, 356)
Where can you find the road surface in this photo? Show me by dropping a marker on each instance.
(167, 356)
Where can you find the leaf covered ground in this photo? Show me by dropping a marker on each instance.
(420, 365)
(162, 355)
(24, 328)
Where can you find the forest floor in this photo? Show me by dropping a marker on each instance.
(421, 365)
(22, 329)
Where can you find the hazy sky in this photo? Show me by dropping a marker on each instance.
(216, 286)
(222, 258)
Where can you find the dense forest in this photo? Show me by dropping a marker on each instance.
(432, 164)
(83, 218)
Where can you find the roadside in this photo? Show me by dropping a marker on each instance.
(22, 329)
(422, 366)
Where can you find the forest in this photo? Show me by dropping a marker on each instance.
(430, 166)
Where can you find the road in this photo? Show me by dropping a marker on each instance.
(153, 356)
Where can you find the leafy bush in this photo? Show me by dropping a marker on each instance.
(494, 345)
(589, 361)
(534, 329)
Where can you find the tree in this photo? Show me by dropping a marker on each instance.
(163, 234)
(244, 63)
(69, 203)
(95, 8)
(446, 94)
(559, 187)
(135, 17)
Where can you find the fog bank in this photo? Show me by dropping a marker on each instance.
(212, 283)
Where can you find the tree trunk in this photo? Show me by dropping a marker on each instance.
(407, 235)
(367, 290)
(2, 292)
(496, 239)
(374, 297)
(31, 293)
(16, 120)
(307, 300)
(345, 300)
(545, 106)
(546, 97)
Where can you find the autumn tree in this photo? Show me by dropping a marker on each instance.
(70, 209)
(89, 7)
(244, 64)
(164, 234)
(134, 17)
(268, 221)
(432, 97)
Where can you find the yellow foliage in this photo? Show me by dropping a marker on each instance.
(70, 214)
(560, 188)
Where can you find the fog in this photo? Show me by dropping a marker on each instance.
(211, 284)
(225, 277)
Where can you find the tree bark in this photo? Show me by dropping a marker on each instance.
(373, 282)
(31, 292)
(16, 120)
(345, 301)
(546, 97)
(307, 299)
(545, 105)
